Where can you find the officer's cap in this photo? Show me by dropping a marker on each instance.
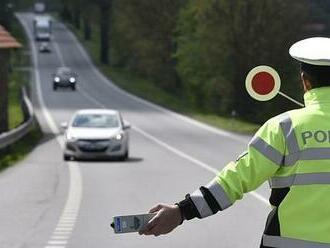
(313, 51)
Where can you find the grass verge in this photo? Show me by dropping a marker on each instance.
(17, 151)
(15, 112)
(149, 90)
(19, 77)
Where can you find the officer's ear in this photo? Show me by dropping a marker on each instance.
(306, 82)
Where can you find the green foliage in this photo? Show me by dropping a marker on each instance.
(201, 51)
(147, 89)
(15, 114)
(220, 41)
(18, 77)
(10, 156)
(143, 32)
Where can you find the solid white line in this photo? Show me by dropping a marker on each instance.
(151, 137)
(84, 93)
(192, 159)
(150, 104)
(75, 191)
(49, 119)
(176, 151)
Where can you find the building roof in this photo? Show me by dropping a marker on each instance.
(7, 41)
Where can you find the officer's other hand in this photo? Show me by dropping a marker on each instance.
(167, 218)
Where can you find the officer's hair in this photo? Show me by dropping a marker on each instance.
(319, 76)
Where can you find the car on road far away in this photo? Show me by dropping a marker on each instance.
(64, 77)
(96, 134)
(44, 47)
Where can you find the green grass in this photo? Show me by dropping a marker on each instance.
(16, 152)
(15, 112)
(148, 90)
(18, 78)
(229, 124)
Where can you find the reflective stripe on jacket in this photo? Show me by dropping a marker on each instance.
(292, 152)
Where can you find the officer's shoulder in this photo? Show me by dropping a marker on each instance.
(285, 117)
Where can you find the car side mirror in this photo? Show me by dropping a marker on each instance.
(126, 125)
(64, 125)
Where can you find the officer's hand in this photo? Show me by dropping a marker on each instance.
(167, 218)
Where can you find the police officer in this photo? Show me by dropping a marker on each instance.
(292, 152)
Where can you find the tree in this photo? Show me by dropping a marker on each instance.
(105, 7)
(144, 32)
(4, 58)
(6, 13)
(87, 19)
(221, 40)
(77, 13)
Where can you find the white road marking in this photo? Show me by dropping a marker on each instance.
(145, 102)
(58, 237)
(58, 242)
(75, 190)
(54, 246)
(169, 147)
(62, 233)
(63, 229)
(58, 53)
(69, 225)
(166, 111)
(74, 168)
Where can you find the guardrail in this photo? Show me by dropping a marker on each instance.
(10, 137)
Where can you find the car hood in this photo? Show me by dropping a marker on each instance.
(92, 133)
(63, 77)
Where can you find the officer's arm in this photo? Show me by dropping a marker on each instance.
(263, 158)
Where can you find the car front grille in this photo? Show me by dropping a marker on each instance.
(88, 149)
(95, 145)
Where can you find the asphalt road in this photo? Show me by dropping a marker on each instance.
(46, 202)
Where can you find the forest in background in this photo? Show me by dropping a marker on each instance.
(200, 51)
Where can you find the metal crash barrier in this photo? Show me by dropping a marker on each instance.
(10, 137)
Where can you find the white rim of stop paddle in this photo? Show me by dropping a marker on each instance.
(273, 73)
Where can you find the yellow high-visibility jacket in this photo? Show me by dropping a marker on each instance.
(292, 152)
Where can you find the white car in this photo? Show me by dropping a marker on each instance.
(96, 133)
(44, 48)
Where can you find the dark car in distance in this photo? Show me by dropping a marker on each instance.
(64, 77)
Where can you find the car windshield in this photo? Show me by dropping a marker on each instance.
(43, 29)
(64, 71)
(96, 121)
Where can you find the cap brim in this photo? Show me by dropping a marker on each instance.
(315, 51)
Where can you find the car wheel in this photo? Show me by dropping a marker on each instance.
(73, 87)
(66, 157)
(124, 157)
(54, 87)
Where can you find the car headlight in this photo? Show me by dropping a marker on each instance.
(72, 80)
(57, 79)
(70, 138)
(119, 136)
